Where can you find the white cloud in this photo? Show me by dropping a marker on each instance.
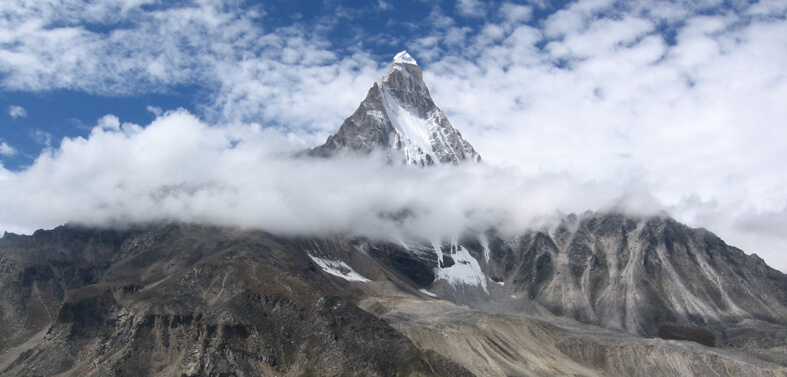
(267, 77)
(514, 13)
(155, 110)
(384, 5)
(471, 8)
(699, 119)
(42, 137)
(179, 168)
(7, 150)
(17, 111)
(575, 17)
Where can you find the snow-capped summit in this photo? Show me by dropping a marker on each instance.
(400, 116)
(404, 58)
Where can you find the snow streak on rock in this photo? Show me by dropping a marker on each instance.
(339, 268)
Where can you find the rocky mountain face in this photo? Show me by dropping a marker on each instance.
(586, 296)
(635, 275)
(399, 116)
(174, 300)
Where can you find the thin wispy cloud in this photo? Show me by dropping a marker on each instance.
(17, 111)
(471, 8)
(384, 5)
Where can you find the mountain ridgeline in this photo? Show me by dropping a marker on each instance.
(586, 297)
(595, 294)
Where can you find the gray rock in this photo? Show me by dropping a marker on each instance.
(400, 118)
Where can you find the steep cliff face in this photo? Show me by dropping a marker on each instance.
(400, 118)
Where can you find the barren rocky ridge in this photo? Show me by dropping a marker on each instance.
(178, 300)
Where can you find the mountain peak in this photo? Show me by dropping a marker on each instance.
(404, 58)
(399, 117)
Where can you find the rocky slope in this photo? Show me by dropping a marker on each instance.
(176, 300)
(399, 117)
(637, 274)
(506, 345)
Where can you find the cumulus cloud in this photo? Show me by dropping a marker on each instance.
(17, 111)
(514, 13)
(6, 150)
(155, 110)
(42, 137)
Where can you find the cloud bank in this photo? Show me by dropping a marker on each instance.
(179, 168)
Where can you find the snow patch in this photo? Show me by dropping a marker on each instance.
(404, 58)
(465, 270)
(437, 249)
(412, 131)
(338, 268)
(377, 115)
(424, 291)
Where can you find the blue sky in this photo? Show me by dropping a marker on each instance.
(675, 105)
(66, 103)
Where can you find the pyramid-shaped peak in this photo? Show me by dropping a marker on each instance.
(400, 117)
(404, 58)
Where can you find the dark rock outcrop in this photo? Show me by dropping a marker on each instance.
(687, 333)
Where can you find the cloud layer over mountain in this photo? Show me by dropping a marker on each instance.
(179, 168)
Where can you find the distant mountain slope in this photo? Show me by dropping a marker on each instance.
(399, 116)
(638, 273)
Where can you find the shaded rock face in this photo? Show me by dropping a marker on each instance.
(31, 291)
(637, 274)
(687, 333)
(399, 117)
(189, 301)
